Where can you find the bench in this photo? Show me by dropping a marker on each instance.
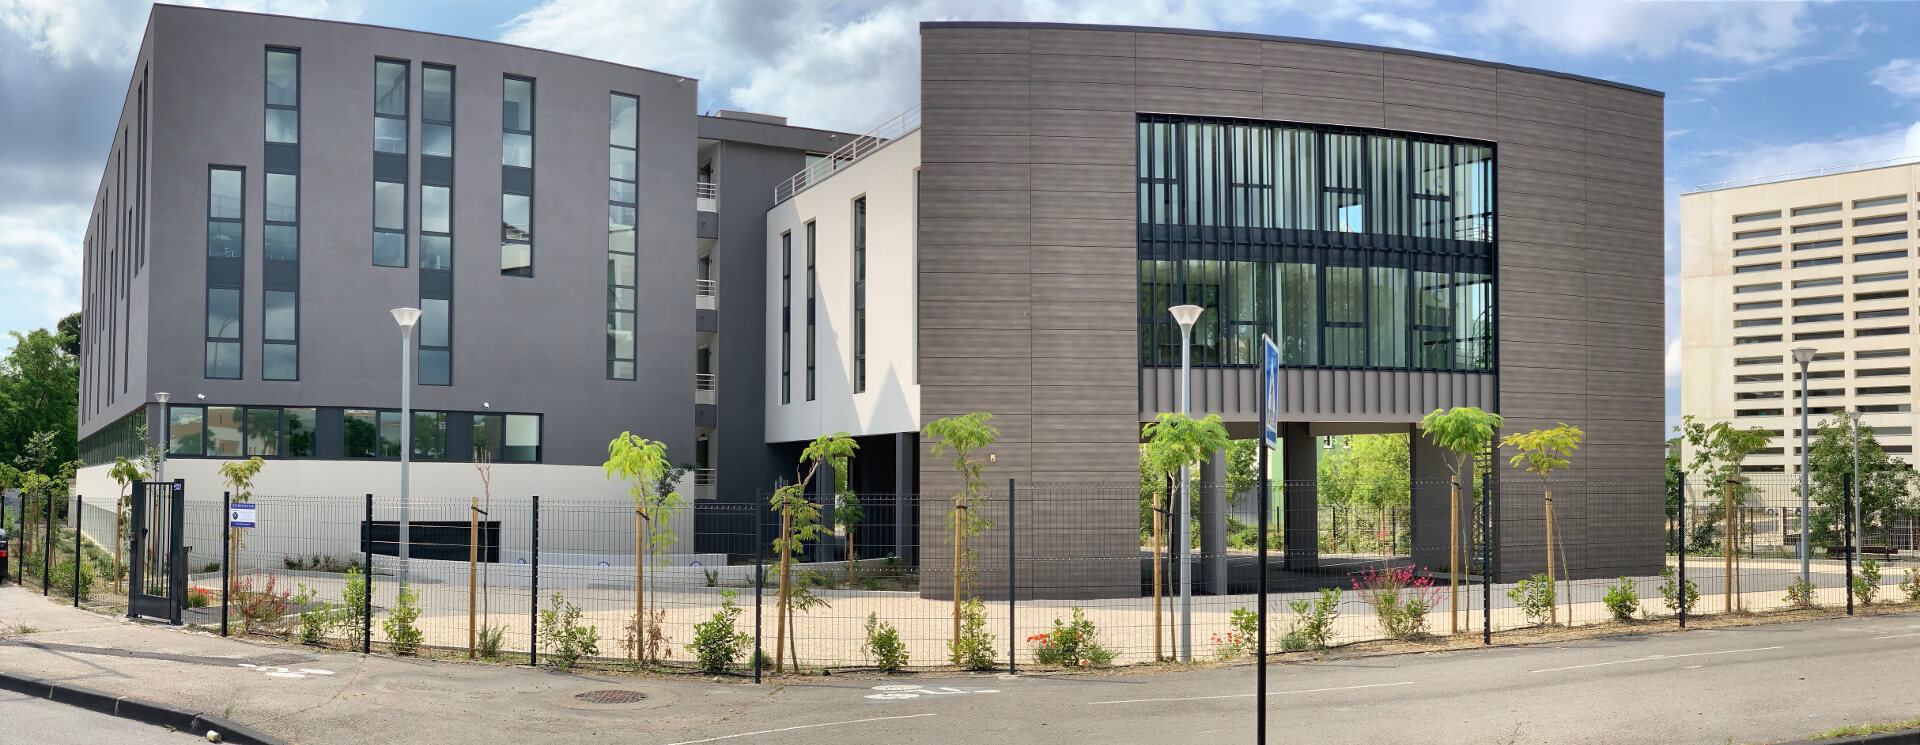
(1837, 552)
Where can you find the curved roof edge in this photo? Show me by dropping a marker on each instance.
(1288, 39)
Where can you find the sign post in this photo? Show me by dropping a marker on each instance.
(1269, 438)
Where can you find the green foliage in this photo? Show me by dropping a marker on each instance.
(1910, 586)
(490, 637)
(65, 579)
(315, 623)
(1463, 432)
(1886, 489)
(261, 609)
(1399, 598)
(402, 635)
(1314, 621)
(238, 475)
(973, 650)
(1243, 469)
(1370, 470)
(1295, 641)
(1867, 585)
(1800, 594)
(562, 637)
(1071, 643)
(40, 393)
(1718, 452)
(1623, 600)
(1175, 441)
(717, 641)
(963, 435)
(353, 606)
(884, 646)
(1675, 594)
(1243, 634)
(1534, 596)
(1544, 451)
(643, 463)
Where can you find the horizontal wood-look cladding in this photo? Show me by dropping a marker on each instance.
(1028, 249)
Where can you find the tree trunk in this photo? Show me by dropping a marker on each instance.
(1553, 580)
(959, 547)
(780, 629)
(1157, 653)
(1453, 560)
(117, 532)
(639, 585)
(1726, 520)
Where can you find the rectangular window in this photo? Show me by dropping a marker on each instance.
(516, 160)
(623, 151)
(1816, 210)
(299, 432)
(436, 224)
(390, 107)
(813, 289)
(1762, 233)
(390, 435)
(225, 212)
(429, 435)
(1745, 289)
(1883, 390)
(283, 96)
(1882, 313)
(225, 218)
(786, 317)
(263, 431)
(1883, 408)
(1816, 245)
(1886, 331)
(1818, 335)
(436, 111)
(1881, 238)
(1881, 354)
(1861, 204)
(1883, 295)
(1882, 372)
(1881, 220)
(186, 430)
(1822, 261)
(1757, 216)
(1801, 284)
(506, 438)
(1761, 251)
(224, 431)
(1879, 277)
(1880, 256)
(389, 223)
(1756, 412)
(1821, 300)
(280, 221)
(1817, 318)
(1817, 227)
(361, 429)
(860, 295)
(1753, 268)
(1749, 361)
(1759, 305)
(1756, 339)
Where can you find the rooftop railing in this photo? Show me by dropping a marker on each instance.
(1827, 171)
(848, 154)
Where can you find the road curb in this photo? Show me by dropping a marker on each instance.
(136, 709)
(1903, 737)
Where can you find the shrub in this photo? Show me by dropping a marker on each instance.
(1800, 594)
(199, 597)
(884, 646)
(1313, 621)
(716, 641)
(1534, 595)
(489, 642)
(1911, 585)
(1867, 585)
(713, 577)
(1623, 600)
(402, 634)
(1075, 642)
(262, 608)
(1242, 636)
(1294, 641)
(1675, 594)
(315, 623)
(353, 606)
(974, 649)
(64, 579)
(1400, 600)
(562, 636)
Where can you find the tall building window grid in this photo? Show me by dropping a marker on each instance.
(786, 317)
(516, 176)
(1354, 248)
(226, 237)
(437, 137)
(623, 153)
(813, 294)
(280, 220)
(390, 113)
(860, 295)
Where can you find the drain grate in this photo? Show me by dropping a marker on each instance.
(611, 696)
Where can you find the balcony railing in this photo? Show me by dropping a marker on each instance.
(706, 294)
(848, 154)
(706, 196)
(1827, 171)
(706, 388)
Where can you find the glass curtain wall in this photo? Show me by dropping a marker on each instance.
(1350, 247)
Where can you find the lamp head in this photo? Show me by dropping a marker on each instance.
(162, 396)
(1185, 315)
(406, 317)
(1803, 355)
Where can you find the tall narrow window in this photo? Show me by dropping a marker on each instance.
(860, 295)
(283, 96)
(813, 292)
(390, 163)
(436, 225)
(786, 317)
(226, 216)
(516, 177)
(623, 149)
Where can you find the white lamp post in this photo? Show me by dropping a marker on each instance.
(1185, 315)
(166, 436)
(406, 317)
(1804, 355)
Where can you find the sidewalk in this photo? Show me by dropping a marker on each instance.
(319, 698)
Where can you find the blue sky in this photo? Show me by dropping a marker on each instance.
(1752, 88)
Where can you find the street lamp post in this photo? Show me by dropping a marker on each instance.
(1185, 315)
(1804, 355)
(406, 317)
(166, 432)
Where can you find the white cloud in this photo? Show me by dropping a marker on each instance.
(108, 31)
(1744, 32)
(40, 263)
(1762, 160)
(1901, 76)
(1673, 361)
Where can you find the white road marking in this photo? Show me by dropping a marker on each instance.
(1250, 695)
(803, 726)
(1895, 636)
(311, 671)
(1656, 657)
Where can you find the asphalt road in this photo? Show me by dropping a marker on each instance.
(38, 721)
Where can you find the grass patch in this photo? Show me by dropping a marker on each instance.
(1877, 728)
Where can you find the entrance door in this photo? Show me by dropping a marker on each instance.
(159, 568)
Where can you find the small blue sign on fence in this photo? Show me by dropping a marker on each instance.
(240, 515)
(1270, 396)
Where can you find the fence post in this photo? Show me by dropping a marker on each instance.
(1013, 640)
(1486, 559)
(1681, 588)
(226, 580)
(46, 554)
(533, 589)
(366, 600)
(759, 584)
(79, 506)
(1846, 532)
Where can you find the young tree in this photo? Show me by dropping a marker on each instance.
(39, 395)
(1174, 442)
(1544, 451)
(239, 476)
(126, 472)
(1718, 452)
(963, 435)
(1464, 432)
(642, 462)
(1886, 488)
(799, 523)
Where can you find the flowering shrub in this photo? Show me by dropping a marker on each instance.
(199, 597)
(1069, 644)
(259, 608)
(1911, 585)
(1400, 599)
(1313, 621)
(1243, 637)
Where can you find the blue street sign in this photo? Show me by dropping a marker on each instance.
(240, 515)
(1270, 399)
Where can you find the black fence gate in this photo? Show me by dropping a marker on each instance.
(159, 567)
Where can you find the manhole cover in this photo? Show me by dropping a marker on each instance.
(611, 697)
